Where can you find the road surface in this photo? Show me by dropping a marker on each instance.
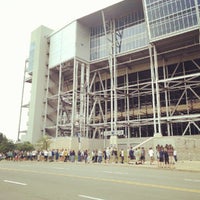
(80, 181)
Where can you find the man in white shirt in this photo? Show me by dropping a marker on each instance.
(151, 155)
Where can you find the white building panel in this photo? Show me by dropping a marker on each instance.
(83, 42)
(62, 45)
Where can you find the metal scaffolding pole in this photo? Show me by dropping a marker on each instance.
(128, 103)
(22, 97)
(157, 92)
(74, 102)
(153, 89)
(58, 100)
(88, 97)
(198, 16)
(166, 99)
(113, 78)
(82, 94)
(115, 110)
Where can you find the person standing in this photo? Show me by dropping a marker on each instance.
(175, 155)
(166, 157)
(122, 156)
(115, 155)
(104, 155)
(138, 156)
(170, 151)
(99, 159)
(86, 156)
(161, 156)
(56, 155)
(107, 155)
(142, 155)
(65, 154)
(131, 154)
(45, 155)
(151, 155)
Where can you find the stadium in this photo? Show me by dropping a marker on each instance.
(128, 74)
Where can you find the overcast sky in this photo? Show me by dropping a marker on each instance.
(18, 18)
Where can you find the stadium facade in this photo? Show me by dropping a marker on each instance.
(131, 69)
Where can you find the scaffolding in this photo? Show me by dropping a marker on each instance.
(164, 99)
(24, 105)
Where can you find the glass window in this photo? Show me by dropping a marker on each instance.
(170, 9)
(183, 4)
(150, 15)
(179, 6)
(169, 16)
(186, 23)
(177, 24)
(173, 26)
(174, 7)
(168, 29)
(165, 8)
(181, 23)
(193, 19)
(161, 12)
(131, 31)
(192, 2)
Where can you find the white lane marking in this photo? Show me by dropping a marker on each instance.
(88, 197)
(121, 173)
(192, 180)
(58, 168)
(14, 182)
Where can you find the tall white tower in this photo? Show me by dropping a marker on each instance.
(37, 69)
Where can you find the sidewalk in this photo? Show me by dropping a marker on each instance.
(188, 165)
(183, 165)
(180, 165)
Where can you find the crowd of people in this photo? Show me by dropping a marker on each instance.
(166, 156)
(163, 156)
(66, 155)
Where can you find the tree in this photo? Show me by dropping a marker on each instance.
(43, 143)
(3, 138)
(25, 146)
(5, 144)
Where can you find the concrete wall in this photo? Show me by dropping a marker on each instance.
(73, 143)
(187, 147)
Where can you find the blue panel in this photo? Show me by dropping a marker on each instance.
(31, 57)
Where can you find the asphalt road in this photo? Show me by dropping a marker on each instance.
(73, 181)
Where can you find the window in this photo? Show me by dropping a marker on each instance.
(170, 16)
